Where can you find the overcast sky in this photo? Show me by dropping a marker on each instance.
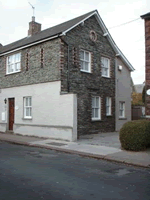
(16, 14)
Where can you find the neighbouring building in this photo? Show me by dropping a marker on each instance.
(138, 107)
(65, 81)
(146, 17)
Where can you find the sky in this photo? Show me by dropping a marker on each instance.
(129, 37)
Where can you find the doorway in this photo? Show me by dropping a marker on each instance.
(11, 113)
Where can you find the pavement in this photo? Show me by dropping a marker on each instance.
(100, 146)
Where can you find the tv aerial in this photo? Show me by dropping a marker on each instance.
(32, 8)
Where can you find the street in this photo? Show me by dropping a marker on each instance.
(35, 173)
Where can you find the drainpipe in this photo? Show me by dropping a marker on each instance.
(68, 86)
(116, 93)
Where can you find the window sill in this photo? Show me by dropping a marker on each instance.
(122, 118)
(85, 71)
(26, 118)
(105, 76)
(12, 73)
(108, 115)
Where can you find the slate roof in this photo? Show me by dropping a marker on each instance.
(55, 30)
(63, 28)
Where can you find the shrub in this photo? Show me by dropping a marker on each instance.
(135, 135)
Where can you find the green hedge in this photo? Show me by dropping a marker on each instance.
(135, 135)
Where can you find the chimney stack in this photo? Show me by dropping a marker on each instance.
(146, 17)
(34, 27)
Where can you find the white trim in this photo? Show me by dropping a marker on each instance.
(104, 67)
(83, 60)
(106, 34)
(109, 106)
(64, 33)
(99, 113)
(123, 102)
(13, 63)
(105, 30)
(24, 108)
(29, 45)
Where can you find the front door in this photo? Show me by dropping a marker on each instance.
(11, 113)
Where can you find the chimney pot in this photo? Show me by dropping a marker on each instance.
(33, 19)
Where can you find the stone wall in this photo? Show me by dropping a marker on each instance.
(34, 72)
(87, 84)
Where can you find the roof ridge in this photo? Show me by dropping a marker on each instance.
(51, 28)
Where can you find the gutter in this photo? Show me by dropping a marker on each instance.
(29, 45)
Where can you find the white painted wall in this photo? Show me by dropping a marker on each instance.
(53, 115)
(123, 93)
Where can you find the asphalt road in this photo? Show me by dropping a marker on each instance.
(34, 173)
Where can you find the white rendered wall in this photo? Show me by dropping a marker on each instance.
(123, 93)
(53, 115)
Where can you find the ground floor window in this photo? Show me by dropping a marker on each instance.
(28, 107)
(121, 109)
(108, 106)
(96, 108)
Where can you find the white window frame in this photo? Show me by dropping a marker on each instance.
(96, 107)
(108, 106)
(27, 107)
(122, 109)
(104, 67)
(85, 61)
(13, 63)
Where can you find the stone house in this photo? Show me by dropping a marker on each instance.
(65, 81)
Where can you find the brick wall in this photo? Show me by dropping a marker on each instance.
(146, 17)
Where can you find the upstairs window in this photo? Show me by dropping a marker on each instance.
(105, 62)
(85, 61)
(14, 63)
(108, 106)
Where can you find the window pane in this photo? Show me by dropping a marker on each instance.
(26, 101)
(96, 112)
(82, 65)
(82, 55)
(121, 106)
(13, 59)
(17, 57)
(86, 66)
(30, 103)
(107, 101)
(103, 72)
(93, 102)
(107, 110)
(106, 72)
(12, 67)
(92, 112)
(27, 112)
(106, 62)
(16, 66)
(9, 60)
(97, 102)
(87, 56)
